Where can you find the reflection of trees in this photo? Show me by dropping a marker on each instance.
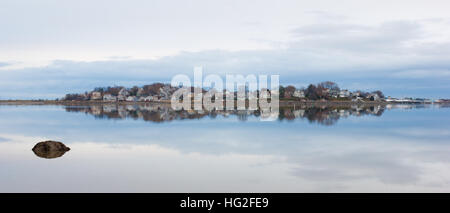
(442, 105)
(328, 115)
(161, 113)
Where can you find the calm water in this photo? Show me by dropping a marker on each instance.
(153, 149)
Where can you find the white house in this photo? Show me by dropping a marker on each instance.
(132, 98)
(148, 98)
(109, 97)
(344, 93)
(123, 93)
(140, 92)
(96, 96)
(374, 97)
(299, 94)
(357, 99)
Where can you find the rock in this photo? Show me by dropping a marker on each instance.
(50, 149)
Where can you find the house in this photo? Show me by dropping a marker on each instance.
(356, 94)
(299, 94)
(253, 95)
(109, 97)
(344, 93)
(96, 96)
(390, 99)
(132, 98)
(334, 93)
(122, 96)
(165, 92)
(441, 101)
(155, 98)
(140, 92)
(123, 92)
(373, 97)
(357, 98)
(265, 94)
(148, 98)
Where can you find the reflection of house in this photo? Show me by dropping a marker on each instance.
(299, 94)
(109, 108)
(96, 110)
(158, 113)
(299, 113)
(109, 97)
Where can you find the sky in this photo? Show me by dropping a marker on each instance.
(52, 47)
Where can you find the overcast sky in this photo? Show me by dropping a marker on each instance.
(52, 47)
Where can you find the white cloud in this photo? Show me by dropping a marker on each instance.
(69, 45)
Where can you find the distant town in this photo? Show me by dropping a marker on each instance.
(160, 92)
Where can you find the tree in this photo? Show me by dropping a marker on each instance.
(289, 91)
(281, 91)
(99, 89)
(75, 97)
(152, 89)
(133, 91)
(311, 92)
(379, 93)
(114, 90)
(329, 85)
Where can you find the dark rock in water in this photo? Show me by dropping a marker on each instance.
(50, 149)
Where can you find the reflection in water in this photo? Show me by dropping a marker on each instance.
(402, 151)
(50, 149)
(325, 115)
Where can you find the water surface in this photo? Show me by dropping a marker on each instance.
(150, 148)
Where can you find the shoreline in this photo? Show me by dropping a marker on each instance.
(283, 103)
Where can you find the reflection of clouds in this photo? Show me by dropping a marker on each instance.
(100, 167)
(420, 132)
(391, 162)
(224, 155)
(305, 163)
(386, 167)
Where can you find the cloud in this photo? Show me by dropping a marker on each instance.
(388, 37)
(4, 64)
(388, 56)
(419, 74)
(387, 167)
(3, 139)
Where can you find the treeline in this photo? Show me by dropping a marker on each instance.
(327, 90)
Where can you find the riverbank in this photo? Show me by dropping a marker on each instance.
(283, 103)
